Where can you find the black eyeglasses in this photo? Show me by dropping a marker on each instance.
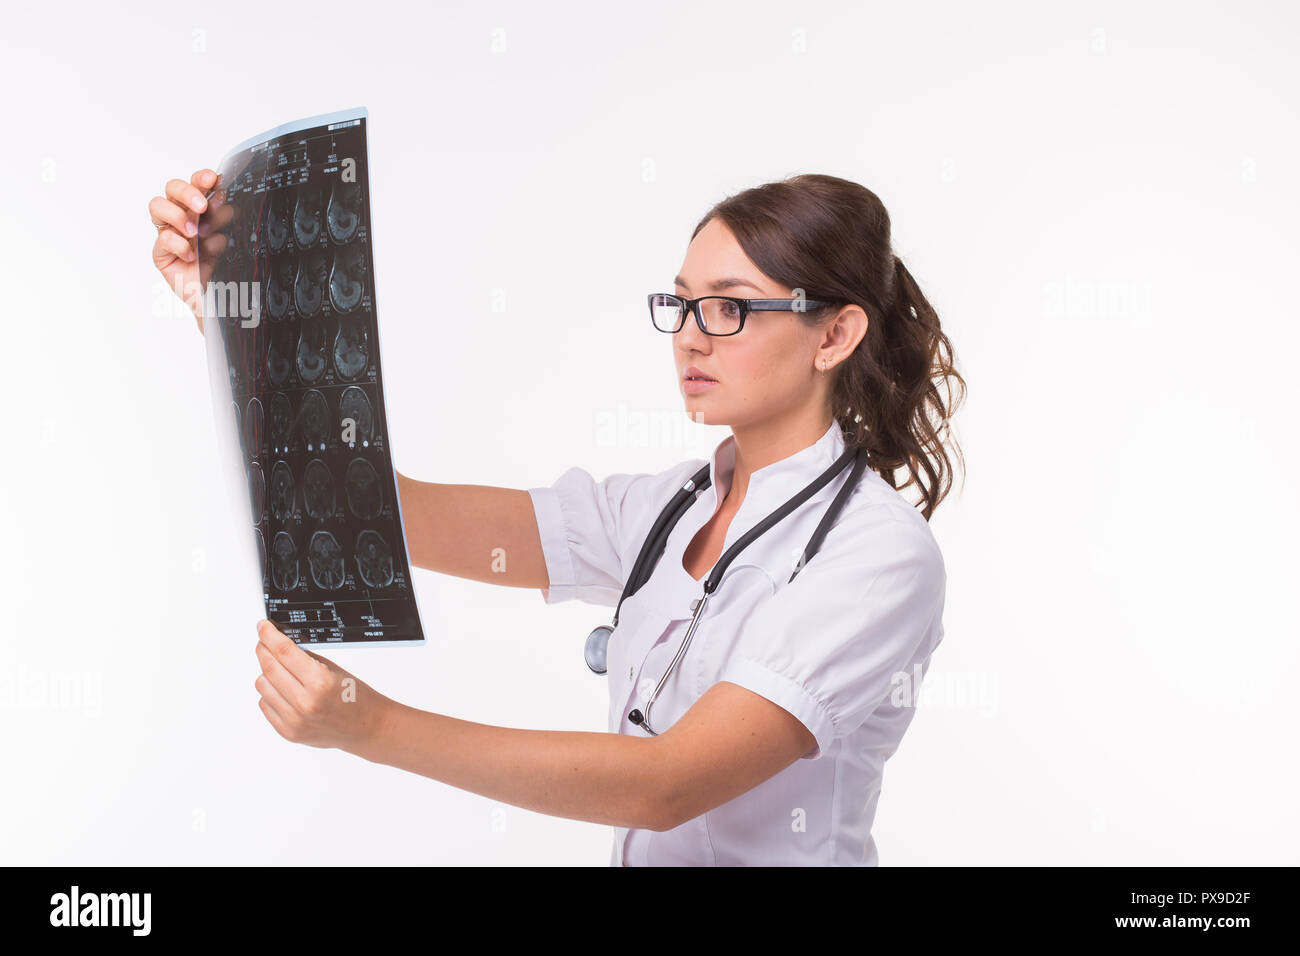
(718, 314)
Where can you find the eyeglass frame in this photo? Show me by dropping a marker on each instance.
(746, 306)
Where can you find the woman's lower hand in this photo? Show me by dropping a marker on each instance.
(311, 700)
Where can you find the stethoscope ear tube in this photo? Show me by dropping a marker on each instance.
(815, 542)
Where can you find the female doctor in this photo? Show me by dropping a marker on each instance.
(758, 682)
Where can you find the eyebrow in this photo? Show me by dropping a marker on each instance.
(721, 284)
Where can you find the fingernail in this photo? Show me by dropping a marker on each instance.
(197, 203)
(190, 228)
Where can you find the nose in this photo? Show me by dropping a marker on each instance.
(690, 337)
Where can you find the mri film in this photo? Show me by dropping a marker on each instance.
(290, 319)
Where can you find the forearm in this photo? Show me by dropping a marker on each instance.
(605, 778)
(473, 531)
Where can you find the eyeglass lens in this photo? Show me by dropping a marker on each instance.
(721, 315)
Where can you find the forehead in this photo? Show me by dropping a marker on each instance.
(715, 262)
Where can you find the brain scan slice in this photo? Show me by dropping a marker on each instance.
(314, 420)
(281, 423)
(284, 562)
(311, 349)
(281, 491)
(279, 352)
(347, 278)
(355, 405)
(309, 283)
(364, 493)
(278, 284)
(374, 559)
(352, 347)
(277, 221)
(344, 211)
(325, 557)
(318, 490)
(307, 216)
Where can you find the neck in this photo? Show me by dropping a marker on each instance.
(762, 443)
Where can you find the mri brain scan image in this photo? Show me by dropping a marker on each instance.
(347, 278)
(311, 350)
(314, 420)
(307, 217)
(281, 423)
(284, 562)
(309, 283)
(365, 497)
(305, 385)
(374, 560)
(344, 211)
(279, 353)
(281, 491)
(318, 490)
(278, 284)
(352, 347)
(354, 405)
(277, 222)
(326, 560)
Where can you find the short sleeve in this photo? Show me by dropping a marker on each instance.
(591, 531)
(828, 646)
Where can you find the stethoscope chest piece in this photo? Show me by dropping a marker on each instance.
(596, 648)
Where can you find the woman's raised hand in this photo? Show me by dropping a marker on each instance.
(175, 251)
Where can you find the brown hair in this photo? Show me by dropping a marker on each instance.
(829, 237)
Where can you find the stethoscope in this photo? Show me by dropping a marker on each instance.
(597, 644)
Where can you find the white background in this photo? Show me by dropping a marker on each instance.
(1101, 202)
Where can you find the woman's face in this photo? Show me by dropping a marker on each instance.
(764, 371)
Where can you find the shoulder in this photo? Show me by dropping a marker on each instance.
(634, 488)
(879, 525)
(624, 502)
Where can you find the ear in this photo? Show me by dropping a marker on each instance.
(842, 333)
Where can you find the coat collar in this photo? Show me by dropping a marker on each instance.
(773, 484)
(671, 589)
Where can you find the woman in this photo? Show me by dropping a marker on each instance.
(766, 742)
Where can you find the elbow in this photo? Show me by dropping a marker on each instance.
(669, 808)
(661, 817)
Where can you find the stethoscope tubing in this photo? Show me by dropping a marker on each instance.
(657, 540)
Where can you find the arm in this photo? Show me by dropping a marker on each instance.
(473, 531)
(728, 742)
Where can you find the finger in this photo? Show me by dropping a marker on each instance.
(293, 657)
(276, 720)
(185, 195)
(204, 179)
(286, 685)
(290, 655)
(273, 696)
(169, 241)
(166, 213)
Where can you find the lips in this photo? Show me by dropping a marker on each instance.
(694, 374)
